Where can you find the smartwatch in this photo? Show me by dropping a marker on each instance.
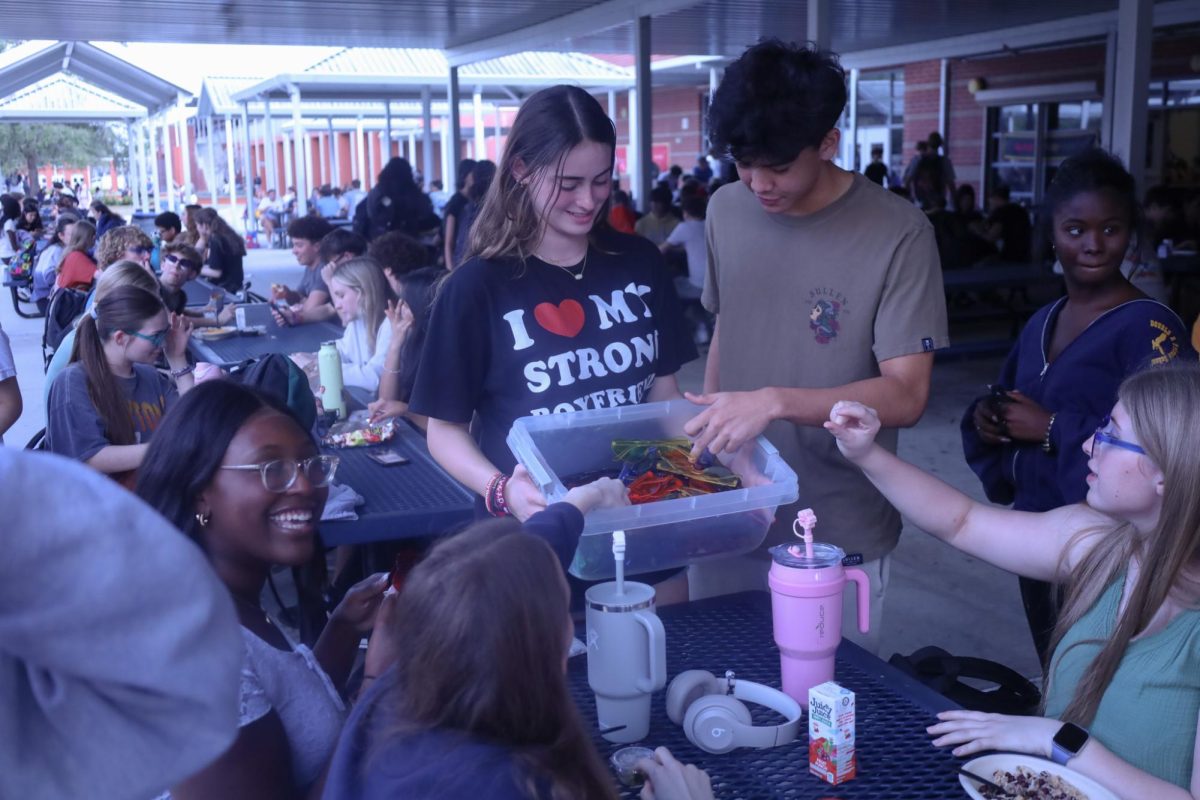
(1069, 740)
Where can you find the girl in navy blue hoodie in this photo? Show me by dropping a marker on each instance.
(1061, 377)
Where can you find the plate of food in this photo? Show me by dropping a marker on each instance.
(361, 434)
(1029, 777)
(215, 334)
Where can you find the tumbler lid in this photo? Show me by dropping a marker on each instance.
(792, 555)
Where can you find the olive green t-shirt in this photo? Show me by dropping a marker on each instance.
(815, 302)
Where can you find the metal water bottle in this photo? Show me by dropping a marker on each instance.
(329, 368)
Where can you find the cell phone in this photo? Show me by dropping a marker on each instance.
(388, 458)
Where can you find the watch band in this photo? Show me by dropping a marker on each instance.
(1067, 743)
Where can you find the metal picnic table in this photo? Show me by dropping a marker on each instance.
(407, 501)
(284, 340)
(895, 757)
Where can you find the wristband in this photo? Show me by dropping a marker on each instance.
(179, 373)
(493, 495)
(1047, 445)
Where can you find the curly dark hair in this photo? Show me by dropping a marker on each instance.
(313, 229)
(775, 101)
(398, 253)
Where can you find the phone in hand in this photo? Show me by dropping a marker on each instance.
(388, 458)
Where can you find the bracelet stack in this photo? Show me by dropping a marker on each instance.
(493, 496)
(1047, 445)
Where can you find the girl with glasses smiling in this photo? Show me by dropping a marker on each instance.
(106, 404)
(233, 470)
(1125, 654)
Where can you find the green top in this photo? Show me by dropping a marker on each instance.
(1149, 710)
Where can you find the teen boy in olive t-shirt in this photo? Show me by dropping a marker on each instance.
(827, 287)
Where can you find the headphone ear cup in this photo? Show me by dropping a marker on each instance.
(711, 721)
(687, 687)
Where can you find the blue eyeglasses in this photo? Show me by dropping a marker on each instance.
(155, 339)
(1107, 438)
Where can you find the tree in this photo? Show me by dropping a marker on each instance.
(24, 146)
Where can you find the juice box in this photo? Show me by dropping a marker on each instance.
(831, 733)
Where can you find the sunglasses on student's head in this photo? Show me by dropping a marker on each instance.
(1103, 436)
(186, 263)
(141, 251)
(155, 339)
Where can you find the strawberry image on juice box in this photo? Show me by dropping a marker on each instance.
(831, 733)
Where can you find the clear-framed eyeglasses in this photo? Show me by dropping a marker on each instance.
(279, 474)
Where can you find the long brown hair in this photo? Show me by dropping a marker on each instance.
(221, 230)
(483, 622)
(125, 308)
(1162, 405)
(83, 236)
(549, 123)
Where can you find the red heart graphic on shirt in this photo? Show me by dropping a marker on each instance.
(564, 319)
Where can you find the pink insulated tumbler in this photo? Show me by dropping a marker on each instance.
(806, 610)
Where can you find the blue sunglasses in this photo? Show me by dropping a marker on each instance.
(1107, 438)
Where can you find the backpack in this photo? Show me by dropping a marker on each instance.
(20, 269)
(1011, 692)
(65, 309)
(277, 376)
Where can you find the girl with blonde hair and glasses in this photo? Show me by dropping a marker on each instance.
(1122, 699)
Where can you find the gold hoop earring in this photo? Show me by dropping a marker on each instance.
(202, 519)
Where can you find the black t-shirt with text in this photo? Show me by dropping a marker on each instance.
(508, 340)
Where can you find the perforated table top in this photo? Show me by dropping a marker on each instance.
(404, 501)
(199, 292)
(895, 758)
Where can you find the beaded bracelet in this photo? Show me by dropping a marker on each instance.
(1047, 445)
(493, 495)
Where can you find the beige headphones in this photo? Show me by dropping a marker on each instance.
(714, 719)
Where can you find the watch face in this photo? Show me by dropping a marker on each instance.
(1071, 737)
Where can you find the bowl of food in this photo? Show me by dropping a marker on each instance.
(624, 764)
(1029, 777)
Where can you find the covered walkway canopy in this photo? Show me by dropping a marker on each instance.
(385, 75)
(75, 81)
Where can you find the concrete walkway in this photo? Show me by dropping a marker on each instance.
(937, 596)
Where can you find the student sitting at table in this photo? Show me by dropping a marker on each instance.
(1126, 650)
(477, 704)
(225, 250)
(397, 254)
(409, 318)
(336, 248)
(45, 274)
(235, 472)
(77, 270)
(168, 226)
(308, 302)
(122, 273)
(124, 243)
(360, 296)
(105, 406)
(180, 264)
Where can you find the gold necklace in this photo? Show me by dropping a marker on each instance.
(255, 606)
(582, 267)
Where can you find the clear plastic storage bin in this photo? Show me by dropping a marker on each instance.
(668, 533)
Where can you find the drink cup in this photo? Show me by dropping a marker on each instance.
(627, 657)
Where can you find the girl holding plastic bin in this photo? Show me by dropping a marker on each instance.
(1125, 657)
(552, 311)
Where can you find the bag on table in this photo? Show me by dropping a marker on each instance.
(942, 672)
(278, 376)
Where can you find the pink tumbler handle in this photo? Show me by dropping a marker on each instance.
(863, 585)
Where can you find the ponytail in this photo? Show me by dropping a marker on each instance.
(124, 308)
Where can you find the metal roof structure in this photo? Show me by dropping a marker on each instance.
(65, 98)
(32, 62)
(379, 73)
(216, 98)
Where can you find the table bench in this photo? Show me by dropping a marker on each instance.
(982, 287)
(285, 340)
